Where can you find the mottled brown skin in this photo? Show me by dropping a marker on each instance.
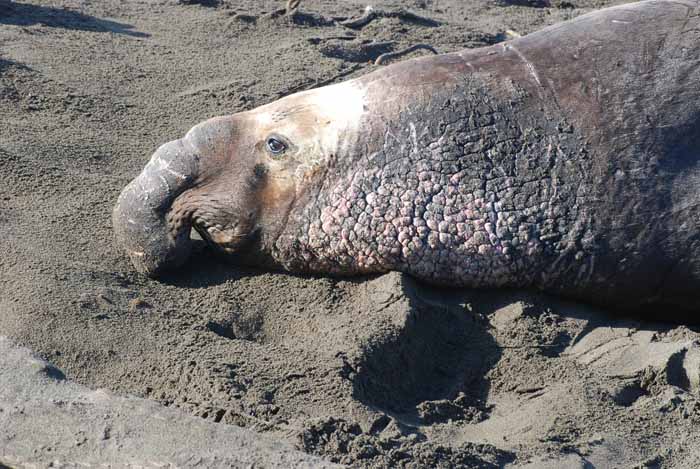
(566, 161)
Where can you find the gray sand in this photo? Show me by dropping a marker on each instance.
(380, 372)
(46, 420)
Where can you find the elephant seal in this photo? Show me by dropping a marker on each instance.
(567, 160)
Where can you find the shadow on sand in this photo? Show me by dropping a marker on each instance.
(22, 14)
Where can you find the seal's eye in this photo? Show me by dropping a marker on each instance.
(275, 146)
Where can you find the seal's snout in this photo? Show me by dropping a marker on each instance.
(154, 239)
(154, 214)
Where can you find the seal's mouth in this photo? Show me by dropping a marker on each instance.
(229, 239)
(220, 222)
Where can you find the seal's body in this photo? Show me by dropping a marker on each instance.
(566, 160)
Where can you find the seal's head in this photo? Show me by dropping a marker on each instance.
(234, 178)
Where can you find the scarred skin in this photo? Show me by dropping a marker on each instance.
(566, 161)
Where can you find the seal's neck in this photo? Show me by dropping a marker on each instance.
(451, 188)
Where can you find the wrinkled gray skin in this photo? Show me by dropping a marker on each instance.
(566, 160)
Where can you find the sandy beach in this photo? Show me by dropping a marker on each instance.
(368, 372)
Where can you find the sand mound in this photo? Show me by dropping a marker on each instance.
(53, 423)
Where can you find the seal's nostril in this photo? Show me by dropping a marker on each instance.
(194, 234)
